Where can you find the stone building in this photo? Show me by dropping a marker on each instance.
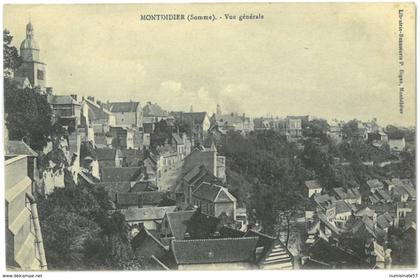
(214, 200)
(31, 67)
(127, 113)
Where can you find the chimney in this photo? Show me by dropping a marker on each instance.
(74, 97)
(187, 235)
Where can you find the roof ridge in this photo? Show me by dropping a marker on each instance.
(261, 234)
(214, 239)
(155, 239)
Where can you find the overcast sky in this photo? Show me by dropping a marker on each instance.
(326, 60)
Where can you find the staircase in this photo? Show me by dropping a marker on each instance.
(277, 258)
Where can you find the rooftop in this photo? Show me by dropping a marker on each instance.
(313, 184)
(120, 174)
(178, 222)
(153, 110)
(146, 214)
(118, 107)
(350, 193)
(374, 183)
(213, 193)
(151, 198)
(57, 100)
(196, 117)
(208, 251)
(106, 154)
(14, 148)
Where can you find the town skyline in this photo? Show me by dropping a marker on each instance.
(209, 143)
(128, 61)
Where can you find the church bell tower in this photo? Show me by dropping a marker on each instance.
(31, 67)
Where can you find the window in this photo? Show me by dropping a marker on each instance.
(40, 75)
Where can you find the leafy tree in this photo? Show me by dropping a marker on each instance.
(316, 128)
(65, 236)
(80, 232)
(350, 128)
(11, 58)
(28, 115)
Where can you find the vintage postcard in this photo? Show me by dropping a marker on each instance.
(229, 136)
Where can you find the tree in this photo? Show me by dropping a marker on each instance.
(80, 232)
(11, 58)
(28, 115)
(288, 208)
(316, 128)
(350, 128)
(28, 112)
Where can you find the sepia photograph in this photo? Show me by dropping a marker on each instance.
(209, 136)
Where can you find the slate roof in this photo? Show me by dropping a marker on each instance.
(131, 153)
(350, 193)
(198, 175)
(342, 207)
(120, 174)
(365, 222)
(408, 186)
(127, 199)
(324, 200)
(313, 184)
(384, 220)
(152, 198)
(14, 148)
(118, 107)
(383, 195)
(196, 117)
(113, 187)
(399, 191)
(374, 183)
(192, 173)
(213, 193)
(177, 139)
(153, 110)
(95, 112)
(106, 154)
(326, 252)
(85, 177)
(178, 222)
(146, 214)
(207, 251)
(132, 157)
(142, 186)
(207, 191)
(61, 100)
(365, 211)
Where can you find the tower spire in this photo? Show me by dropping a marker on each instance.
(29, 30)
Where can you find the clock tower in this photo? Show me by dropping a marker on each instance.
(31, 67)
